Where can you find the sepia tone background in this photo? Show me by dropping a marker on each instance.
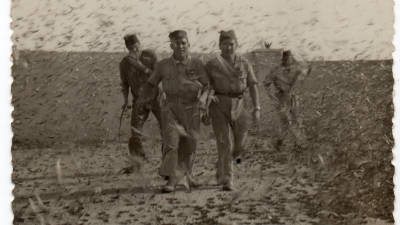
(315, 30)
(67, 101)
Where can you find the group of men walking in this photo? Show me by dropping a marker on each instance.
(182, 92)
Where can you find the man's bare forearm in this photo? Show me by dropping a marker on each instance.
(125, 92)
(255, 96)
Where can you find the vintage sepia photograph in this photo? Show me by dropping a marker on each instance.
(202, 112)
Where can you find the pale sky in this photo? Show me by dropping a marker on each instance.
(312, 29)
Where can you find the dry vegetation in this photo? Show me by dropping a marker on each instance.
(67, 107)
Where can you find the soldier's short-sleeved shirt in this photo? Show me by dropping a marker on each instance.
(183, 79)
(230, 79)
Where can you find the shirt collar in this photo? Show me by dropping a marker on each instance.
(183, 62)
(236, 60)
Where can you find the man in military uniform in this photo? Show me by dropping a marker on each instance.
(279, 88)
(230, 76)
(185, 82)
(135, 69)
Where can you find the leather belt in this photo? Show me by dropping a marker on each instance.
(231, 95)
(180, 98)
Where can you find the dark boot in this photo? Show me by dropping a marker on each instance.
(170, 186)
(193, 183)
(228, 186)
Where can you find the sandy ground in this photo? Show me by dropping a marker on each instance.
(312, 29)
(93, 192)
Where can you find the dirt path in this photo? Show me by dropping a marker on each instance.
(92, 191)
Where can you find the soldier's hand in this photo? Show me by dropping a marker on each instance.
(163, 96)
(214, 98)
(205, 119)
(125, 103)
(124, 106)
(148, 71)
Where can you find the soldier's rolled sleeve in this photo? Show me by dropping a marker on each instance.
(149, 90)
(138, 65)
(251, 78)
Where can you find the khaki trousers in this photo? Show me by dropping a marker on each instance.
(230, 122)
(181, 126)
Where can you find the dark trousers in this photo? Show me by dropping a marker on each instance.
(138, 117)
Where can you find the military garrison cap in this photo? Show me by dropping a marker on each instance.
(131, 39)
(230, 34)
(177, 34)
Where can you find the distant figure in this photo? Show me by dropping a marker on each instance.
(230, 77)
(267, 45)
(185, 82)
(135, 69)
(279, 88)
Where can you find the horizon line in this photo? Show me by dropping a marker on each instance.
(164, 52)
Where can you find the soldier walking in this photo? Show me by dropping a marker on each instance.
(230, 76)
(135, 69)
(279, 88)
(185, 82)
